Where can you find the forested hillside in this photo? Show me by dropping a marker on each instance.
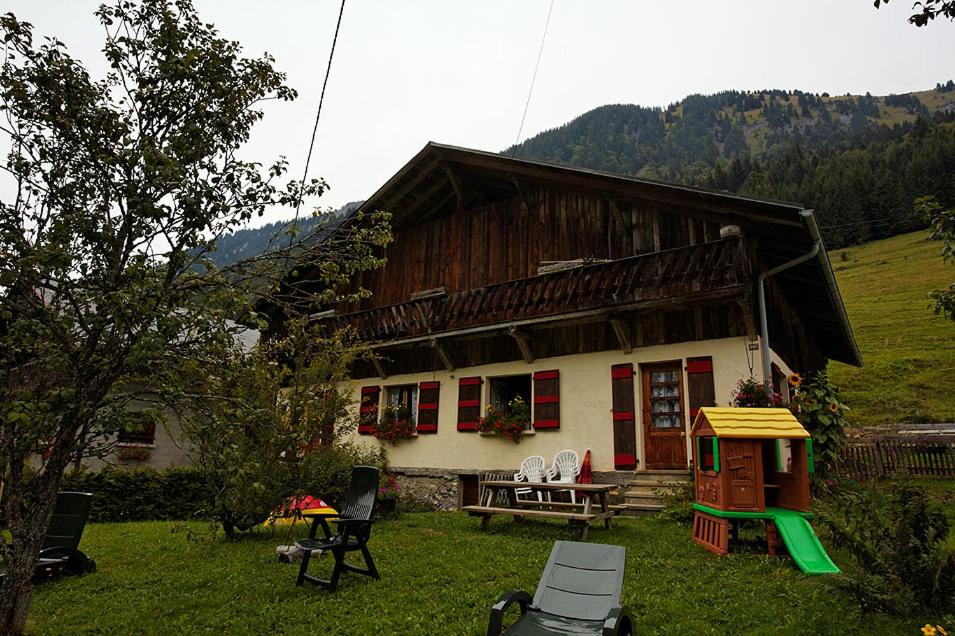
(859, 161)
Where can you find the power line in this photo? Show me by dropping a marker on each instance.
(534, 77)
(318, 114)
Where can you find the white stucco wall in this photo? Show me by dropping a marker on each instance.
(585, 406)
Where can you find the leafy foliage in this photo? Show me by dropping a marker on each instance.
(396, 423)
(750, 392)
(678, 502)
(510, 422)
(897, 540)
(819, 408)
(942, 224)
(253, 423)
(927, 10)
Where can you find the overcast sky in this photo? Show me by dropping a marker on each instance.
(455, 72)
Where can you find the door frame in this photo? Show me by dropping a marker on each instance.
(644, 404)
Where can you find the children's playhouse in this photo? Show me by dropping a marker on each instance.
(755, 463)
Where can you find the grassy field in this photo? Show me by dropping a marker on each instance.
(908, 351)
(440, 575)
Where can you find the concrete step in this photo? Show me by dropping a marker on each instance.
(652, 489)
(640, 509)
(642, 499)
(666, 477)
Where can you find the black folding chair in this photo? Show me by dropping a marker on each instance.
(60, 552)
(354, 530)
(579, 593)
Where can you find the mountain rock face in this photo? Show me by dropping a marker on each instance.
(858, 160)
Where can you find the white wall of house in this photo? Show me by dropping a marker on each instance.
(585, 406)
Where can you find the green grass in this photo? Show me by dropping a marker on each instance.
(440, 575)
(908, 351)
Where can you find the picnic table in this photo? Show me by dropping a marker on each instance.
(504, 494)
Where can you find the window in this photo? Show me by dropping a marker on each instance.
(403, 400)
(665, 399)
(784, 455)
(706, 454)
(144, 433)
(504, 391)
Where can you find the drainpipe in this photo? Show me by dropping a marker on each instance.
(810, 221)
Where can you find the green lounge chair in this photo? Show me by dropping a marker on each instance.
(579, 593)
(60, 552)
(354, 530)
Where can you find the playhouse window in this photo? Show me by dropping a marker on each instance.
(504, 390)
(784, 455)
(707, 458)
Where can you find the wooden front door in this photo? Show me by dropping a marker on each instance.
(664, 423)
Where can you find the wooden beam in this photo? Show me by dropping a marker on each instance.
(522, 344)
(520, 194)
(622, 337)
(615, 209)
(435, 188)
(411, 185)
(375, 360)
(458, 188)
(443, 354)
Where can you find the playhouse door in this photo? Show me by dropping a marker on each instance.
(664, 432)
(741, 463)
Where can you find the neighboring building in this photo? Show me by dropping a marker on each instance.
(615, 306)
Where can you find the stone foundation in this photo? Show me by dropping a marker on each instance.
(437, 489)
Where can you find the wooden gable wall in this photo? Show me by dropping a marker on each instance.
(509, 239)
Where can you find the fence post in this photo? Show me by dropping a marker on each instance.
(879, 469)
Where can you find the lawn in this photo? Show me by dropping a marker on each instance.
(908, 352)
(440, 575)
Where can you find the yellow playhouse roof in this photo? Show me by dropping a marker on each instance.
(750, 423)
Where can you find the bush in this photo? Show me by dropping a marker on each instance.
(326, 471)
(144, 493)
(678, 502)
(897, 540)
(818, 407)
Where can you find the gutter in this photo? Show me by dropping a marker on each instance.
(764, 348)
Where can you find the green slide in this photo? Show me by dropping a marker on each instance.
(802, 543)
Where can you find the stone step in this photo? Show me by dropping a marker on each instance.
(660, 477)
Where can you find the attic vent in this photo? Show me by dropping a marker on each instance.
(548, 267)
(728, 231)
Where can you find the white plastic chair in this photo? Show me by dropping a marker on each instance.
(565, 470)
(533, 470)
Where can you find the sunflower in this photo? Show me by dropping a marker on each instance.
(795, 379)
(834, 407)
(928, 630)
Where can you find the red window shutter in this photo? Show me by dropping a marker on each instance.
(469, 403)
(428, 407)
(547, 399)
(368, 410)
(700, 389)
(624, 417)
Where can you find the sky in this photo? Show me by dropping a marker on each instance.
(405, 73)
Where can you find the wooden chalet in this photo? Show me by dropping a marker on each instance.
(616, 306)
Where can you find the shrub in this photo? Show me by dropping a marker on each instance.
(897, 540)
(395, 424)
(509, 423)
(678, 502)
(143, 494)
(326, 472)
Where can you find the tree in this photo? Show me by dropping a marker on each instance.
(927, 10)
(942, 224)
(254, 423)
(120, 188)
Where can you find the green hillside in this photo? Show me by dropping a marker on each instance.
(908, 351)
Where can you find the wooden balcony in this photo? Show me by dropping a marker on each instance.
(677, 276)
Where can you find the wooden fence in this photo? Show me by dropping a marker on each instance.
(932, 455)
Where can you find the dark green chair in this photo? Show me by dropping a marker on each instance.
(579, 593)
(60, 553)
(354, 530)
